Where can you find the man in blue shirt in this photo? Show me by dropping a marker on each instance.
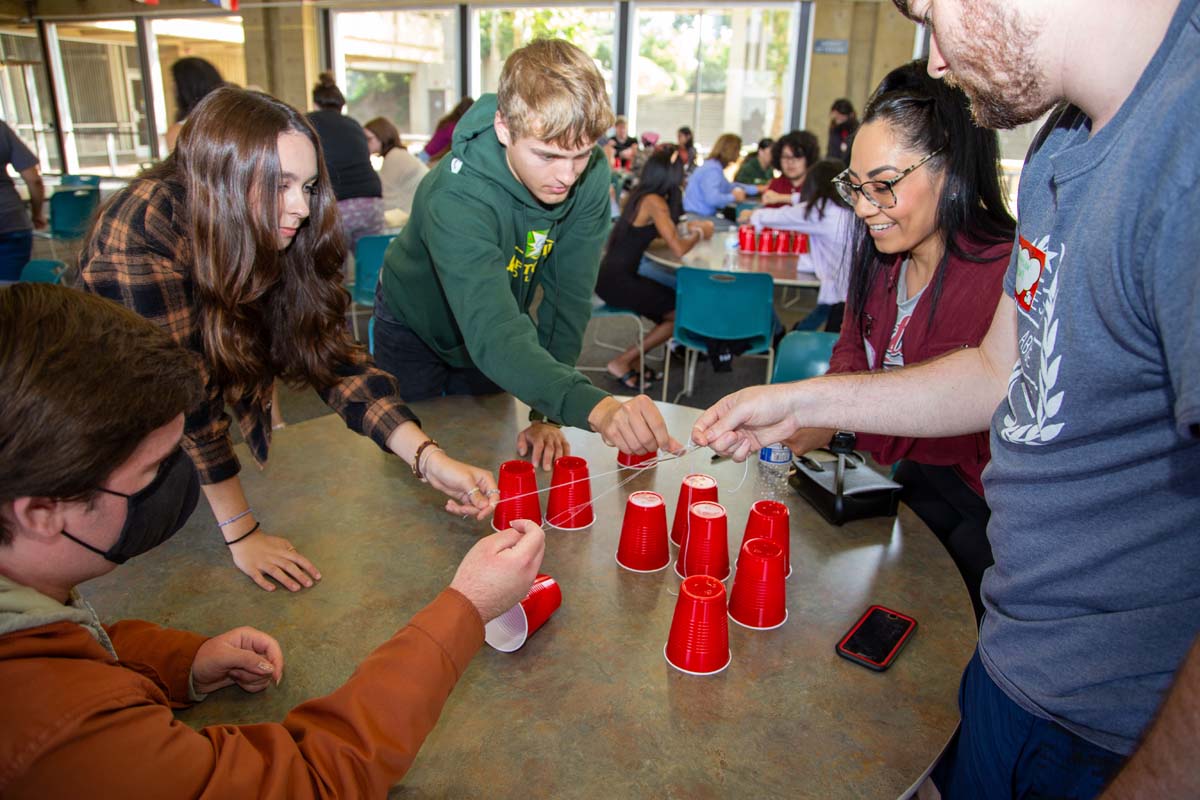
(1088, 661)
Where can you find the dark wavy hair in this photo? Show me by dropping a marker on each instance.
(801, 143)
(262, 313)
(661, 176)
(928, 115)
(194, 78)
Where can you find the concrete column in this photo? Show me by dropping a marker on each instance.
(283, 52)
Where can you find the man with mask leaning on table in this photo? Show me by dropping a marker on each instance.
(92, 474)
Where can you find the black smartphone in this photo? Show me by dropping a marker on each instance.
(877, 637)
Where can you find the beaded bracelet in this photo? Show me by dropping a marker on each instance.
(234, 518)
(232, 542)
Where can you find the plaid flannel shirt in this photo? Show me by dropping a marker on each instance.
(140, 256)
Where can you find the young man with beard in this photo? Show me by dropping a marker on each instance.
(1088, 662)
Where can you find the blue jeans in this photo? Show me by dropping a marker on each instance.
(1003, 751)
(15, 249)
(420, 372)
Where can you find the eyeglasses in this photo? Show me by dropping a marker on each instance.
(881, 194)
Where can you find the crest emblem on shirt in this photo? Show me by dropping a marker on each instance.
(1035, 398)
(1031, 263)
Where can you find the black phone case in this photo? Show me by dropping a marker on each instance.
(891, 657)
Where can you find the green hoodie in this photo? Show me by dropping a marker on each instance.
(463, 272)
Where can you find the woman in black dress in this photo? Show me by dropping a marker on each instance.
(651, 212)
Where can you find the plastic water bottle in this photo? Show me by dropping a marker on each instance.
(774, 464)
(731, 252)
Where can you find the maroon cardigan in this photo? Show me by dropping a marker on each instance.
(970, 294)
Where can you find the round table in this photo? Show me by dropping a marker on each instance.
(589, 706)
(710, 254)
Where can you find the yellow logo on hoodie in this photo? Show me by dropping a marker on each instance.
(538, 245)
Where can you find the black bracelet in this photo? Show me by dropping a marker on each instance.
(232, 542)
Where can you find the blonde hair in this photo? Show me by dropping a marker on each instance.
(727, 148)
(551, 90)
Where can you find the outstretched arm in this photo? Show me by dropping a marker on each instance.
(948, 396)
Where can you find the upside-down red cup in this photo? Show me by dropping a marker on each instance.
(693, 489)
(705, 550)
(778, 241)
(746, 238)
(643, 546)
(764, 238)
(570, 505)
(698, 643)
(801, 245)
(770, 519)
(518, 495)
(759, 596)
(510, 630)
(637, 461)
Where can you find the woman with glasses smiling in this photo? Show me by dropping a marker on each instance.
(932, 241)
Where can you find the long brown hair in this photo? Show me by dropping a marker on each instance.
(262, 313)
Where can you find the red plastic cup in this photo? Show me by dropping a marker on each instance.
(801, 245)
(770, 519)
(758, 599)
(695, 487)
(764, 238)
(705, 551)
(510, 630)
(633, 461)
(643, 546)
(517, 480)
(570, 505)
(698, 643)
(772, 243)
(746, 239)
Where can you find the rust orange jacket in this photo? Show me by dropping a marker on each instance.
(74, 722)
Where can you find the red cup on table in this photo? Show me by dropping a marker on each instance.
(758, 599)
(643, 546)
(772, 241)
(693, 489)
(509, 631)
(570, 505)
(800, 245)
(764, 238)
(747, 239)
(705, 549)
(637, 461)
(518, 495)
(698, 642)
(770, 519)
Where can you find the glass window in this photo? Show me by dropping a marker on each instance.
(25, 93)
(402, 65)
(721, 70)
(105, 124)
(503, 30)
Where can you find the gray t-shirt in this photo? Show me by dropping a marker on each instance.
(1094, 482)
(13, 214)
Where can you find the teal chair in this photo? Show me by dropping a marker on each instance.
(71, 210)
(721, 305)
(43, 271)
(803, 354)
(368, 261)
(73, 181)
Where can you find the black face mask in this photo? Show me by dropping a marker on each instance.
(155, 513)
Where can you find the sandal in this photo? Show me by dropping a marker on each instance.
(630, 380)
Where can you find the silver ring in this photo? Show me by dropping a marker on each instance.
(493, 492)
(474, 489)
